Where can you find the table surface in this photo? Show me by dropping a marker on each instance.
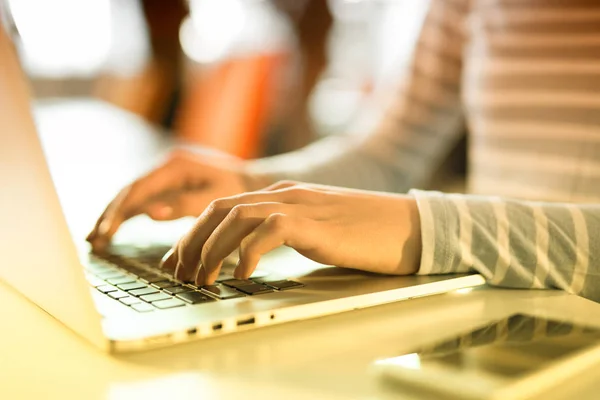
(324, 358)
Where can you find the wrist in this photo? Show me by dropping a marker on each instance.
(411, 250)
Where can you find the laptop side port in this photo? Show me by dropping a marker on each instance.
(247, 321)
(217, 327)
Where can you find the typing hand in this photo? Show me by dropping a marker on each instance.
(183, 186)
(349, 228)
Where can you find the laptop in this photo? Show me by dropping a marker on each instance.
(122, 302)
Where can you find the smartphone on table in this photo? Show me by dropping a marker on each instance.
(519, 357)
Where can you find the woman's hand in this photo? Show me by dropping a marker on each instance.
(348, 228)
(183, 186)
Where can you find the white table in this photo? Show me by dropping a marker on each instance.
(326, 358)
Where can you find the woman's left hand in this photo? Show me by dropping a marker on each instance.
(371, 231)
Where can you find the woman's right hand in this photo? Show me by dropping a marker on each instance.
(183, 186)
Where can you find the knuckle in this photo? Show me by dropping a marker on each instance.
(217, 205)
(248, 246)
(300, 192)
(241, 211)
(285, 183)
(277, 222)
(297, 190)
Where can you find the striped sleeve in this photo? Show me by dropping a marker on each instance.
(512, 243)
(417, 131)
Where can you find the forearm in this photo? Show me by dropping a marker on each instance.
(339, 161)
(512, 243)
(418, 129)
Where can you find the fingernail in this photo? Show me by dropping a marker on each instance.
(104, 227)
(179, 271)
(166, 260)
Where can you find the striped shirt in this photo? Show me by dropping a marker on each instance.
(523, 76)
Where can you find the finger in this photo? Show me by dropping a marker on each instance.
(240, 222)
(279, 196)
(169, 261)
(106, 213)
(185, 273)
(190, 247)
(277, 230)
(97, 236)
(281, 185)
(315, 187)
(131, 200)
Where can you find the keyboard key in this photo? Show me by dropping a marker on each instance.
(118, 294)
(143, 291)
(142, 307)
(131, 286)
(151, 261)
(129, 300)
(107, 288)
(124, 250)
(135, 270)
(165, 284)
(221, 291)
(194, 297)
(120, 280)
(284, 285)
(259, 274)
(99, 268)
(151, 278)
(171, 303)
(177, 289)
(110, 274)
(224, 277)
(155, 297)
(254, 289)
(112, 258)
(237, 283)
(94, 281)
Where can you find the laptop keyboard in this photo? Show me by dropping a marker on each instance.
(133, 278)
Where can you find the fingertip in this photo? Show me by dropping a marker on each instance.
(169, 260)
(104, 227)
(201, 278)
(99, 244)
(179, 270)
(236, 274)
(240, 271)
(160, 212)
(211, 274)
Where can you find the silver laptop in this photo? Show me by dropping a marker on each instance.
(122, 301)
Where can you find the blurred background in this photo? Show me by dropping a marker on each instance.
(248, 77)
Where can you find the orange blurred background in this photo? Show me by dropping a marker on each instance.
(248, 77)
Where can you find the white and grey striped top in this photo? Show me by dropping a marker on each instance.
(524, 76)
